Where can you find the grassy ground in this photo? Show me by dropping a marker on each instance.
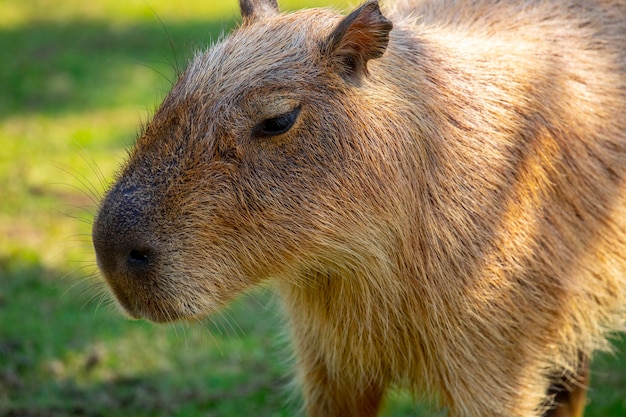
(76, 78)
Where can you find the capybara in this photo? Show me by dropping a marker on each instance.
(437, 192)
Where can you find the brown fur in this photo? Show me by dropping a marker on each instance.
(446, 213)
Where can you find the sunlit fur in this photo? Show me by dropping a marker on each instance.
(451, 219)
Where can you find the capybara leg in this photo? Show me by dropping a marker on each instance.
(570, 393)
(324, 397)
(336, 401)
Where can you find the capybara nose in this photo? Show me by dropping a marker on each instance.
(120, 257)
(121, 238)
(139, 258)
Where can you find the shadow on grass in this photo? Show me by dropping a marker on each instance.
(58, 68)
(155, 395)
(62, 356)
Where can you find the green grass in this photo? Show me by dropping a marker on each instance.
(76, 80)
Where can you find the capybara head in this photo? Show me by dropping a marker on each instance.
(251, 168)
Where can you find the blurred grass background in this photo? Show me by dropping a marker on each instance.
(76, 80)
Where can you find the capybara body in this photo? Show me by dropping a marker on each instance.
(437, 192)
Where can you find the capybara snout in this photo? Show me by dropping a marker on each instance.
(436, 191)
(122, 239)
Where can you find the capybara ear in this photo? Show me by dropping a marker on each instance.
(252, 9)
(359, 37)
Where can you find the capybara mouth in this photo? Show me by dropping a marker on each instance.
(139, 304)
(128, 300)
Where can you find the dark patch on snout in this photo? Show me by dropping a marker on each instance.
(122, 240)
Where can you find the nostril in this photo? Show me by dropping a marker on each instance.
(139, 256)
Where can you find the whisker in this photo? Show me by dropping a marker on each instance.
(95, 291)
(168, 79)
(79, 238)
(176, 65)
(208, 332)
(86, 220)
(87, 189)
(237, 331)
(95, 168)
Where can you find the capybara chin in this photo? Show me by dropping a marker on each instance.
(437, 191)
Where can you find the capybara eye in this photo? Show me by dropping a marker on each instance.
(276, 125)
